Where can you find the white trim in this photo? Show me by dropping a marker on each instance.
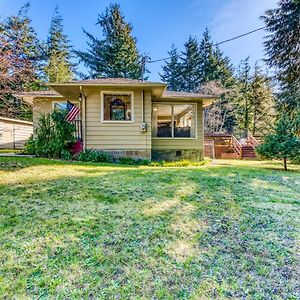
(15, 121)
(195, 104)
(116, 93)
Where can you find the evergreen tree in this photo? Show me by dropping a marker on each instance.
(284, 142)
(20, 62)
(282, 47)
(116, 55)
(242, 94)
(59, 67)
(191, 66)
(20, 39)
(207, 63)
(215, 67)
(261, 102)
(172, 74)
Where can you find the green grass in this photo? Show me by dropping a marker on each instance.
(10, 151)
(226, 230)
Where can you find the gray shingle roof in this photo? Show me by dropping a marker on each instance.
(174, 94)
(113, 81)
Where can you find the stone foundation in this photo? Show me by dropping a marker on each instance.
(177, 154)
(135, 154)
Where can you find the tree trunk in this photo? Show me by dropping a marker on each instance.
(285, 163)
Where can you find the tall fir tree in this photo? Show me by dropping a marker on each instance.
(21, 57)
(117, 54)
(215, 67)
(59, 67)
(242, 94)
(282, 47)
(207, 62)
(262, 103)
(191, 66)
(172, 73)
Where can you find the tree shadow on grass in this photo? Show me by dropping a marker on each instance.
(153, 233)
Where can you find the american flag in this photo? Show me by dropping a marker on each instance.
(73, 111)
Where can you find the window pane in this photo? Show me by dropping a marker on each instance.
(162, 121)
(61, 106)
(184, 121)
(117, 107)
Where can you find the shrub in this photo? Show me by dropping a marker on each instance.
(144, 162)
(134, 162)
(89, 155)
(179, 163)
(30, 146)
(54, 135)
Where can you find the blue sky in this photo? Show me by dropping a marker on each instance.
(159, 23)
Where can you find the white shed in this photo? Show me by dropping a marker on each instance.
(14, 133)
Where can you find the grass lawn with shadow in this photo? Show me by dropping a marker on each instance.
(227, 230)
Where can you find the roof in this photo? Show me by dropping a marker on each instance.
(74, 88)
(110, 81)
(27, 97)
(15, 121)
(177, 94)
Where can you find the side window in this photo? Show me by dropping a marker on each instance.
(174, 120)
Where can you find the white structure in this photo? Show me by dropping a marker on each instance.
(14, 133)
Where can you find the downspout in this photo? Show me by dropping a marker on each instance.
(143, 105)
(83, 114)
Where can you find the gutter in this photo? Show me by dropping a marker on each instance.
(83, 114)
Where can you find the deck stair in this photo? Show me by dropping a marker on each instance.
(245, 150)
(248, 152)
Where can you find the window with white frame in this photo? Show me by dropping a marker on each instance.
(117, 107)
(174, 120)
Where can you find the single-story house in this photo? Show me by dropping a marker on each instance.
(131, 118)
(14, 133)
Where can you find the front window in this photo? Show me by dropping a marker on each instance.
(174, 120)
(117, 107)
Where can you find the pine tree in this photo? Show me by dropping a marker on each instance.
(23, 48)
(116, 55)
(191, 66)
(262, 103)
(283, 143)
(172, 71)
(282, 47)
(20, 58)
(215, 67)
(207, 62)
(59, 67)
(242, 94)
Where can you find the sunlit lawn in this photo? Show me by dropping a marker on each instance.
(229, 230)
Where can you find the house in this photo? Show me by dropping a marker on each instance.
(14, 133)
(131, 118)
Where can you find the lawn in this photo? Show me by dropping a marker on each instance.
(228, 230)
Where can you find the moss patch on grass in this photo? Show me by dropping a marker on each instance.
(229, 230)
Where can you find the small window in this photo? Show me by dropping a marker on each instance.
(174, 120)
(117, 107)
(60, 106)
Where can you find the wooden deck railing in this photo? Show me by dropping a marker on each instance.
(236, 146)
(252, 141)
